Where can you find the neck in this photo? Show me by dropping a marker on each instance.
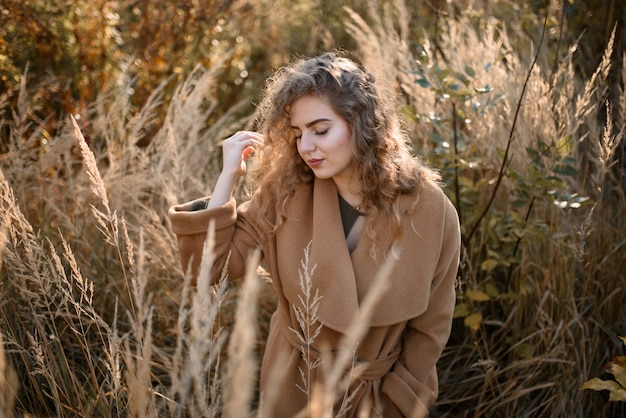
(349, 191)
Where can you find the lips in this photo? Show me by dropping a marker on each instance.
(314, 163)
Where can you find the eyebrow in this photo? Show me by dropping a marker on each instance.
(315, 122)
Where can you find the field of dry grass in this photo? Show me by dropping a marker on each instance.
(99, 320)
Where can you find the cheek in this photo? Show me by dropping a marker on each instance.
(347, 145)
(348, 137)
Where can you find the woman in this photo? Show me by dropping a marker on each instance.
(337, 180)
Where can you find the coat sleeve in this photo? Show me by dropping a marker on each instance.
(235, 237)
(412, 385)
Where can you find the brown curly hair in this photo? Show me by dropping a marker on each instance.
(382, 159)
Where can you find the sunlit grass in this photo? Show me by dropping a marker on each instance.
(98, 318)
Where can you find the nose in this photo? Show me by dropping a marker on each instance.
(306, 143)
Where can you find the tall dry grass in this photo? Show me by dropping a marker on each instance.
(542, 272)
(80, 288)
(99, 320)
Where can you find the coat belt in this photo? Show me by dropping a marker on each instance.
(374, 369)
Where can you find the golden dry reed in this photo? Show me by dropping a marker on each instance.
(99, 319)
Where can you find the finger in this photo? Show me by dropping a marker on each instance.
(257, 136)
(249, 145)
(245, 139)
(253, 138)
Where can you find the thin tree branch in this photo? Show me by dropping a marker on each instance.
(457, 192)
(505, 158)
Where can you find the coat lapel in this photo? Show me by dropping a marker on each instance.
(334, 273)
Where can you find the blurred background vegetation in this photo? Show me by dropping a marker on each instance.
(77, 50)
(541, 197)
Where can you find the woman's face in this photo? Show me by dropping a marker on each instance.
(323, 138)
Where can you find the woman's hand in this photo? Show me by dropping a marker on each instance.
(237, 149)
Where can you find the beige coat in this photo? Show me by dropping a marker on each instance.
(410, 324)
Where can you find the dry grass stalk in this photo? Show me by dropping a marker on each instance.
(607, 144)
(596, 85)
(195, 379)
(138, 376)
(8, 384)
(3, 226)
(242, 365)
(139, 359)
(113, 356)
(308, 320)
(58, 300)
(185, 136)
(622, 97)
(97, 184)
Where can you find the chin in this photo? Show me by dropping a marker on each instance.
(322, 176)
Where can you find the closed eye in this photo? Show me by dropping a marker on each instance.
(318, 133)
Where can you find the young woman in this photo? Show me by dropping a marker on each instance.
(337, 179)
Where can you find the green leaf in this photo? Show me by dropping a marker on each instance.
(477, 295)
(460, 311)
(544, 148)
(451, 84)
(491, 290)
(461, 114)
(473, 321)
(510, 296)
(524, 350)
(423, 83)
(565, 145)
(470, 71)
(443, 74)
(463, 93)
(565, 170)
(461, 77)
(549, 182)
(489, 265)
(533, 173)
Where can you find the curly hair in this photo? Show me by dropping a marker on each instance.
(382, 159)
